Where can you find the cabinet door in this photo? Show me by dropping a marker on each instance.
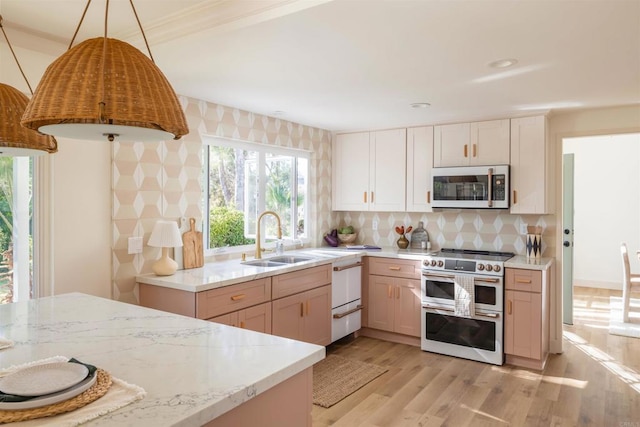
(288, 317)
(256, 318)
(350, 176)
(230, 319)
(387, 171)
(419, 165)
(317, 318)
(407, 307)
(381, 301)
(489, 143)
(523, 324)
(530, 180)
(451, 145)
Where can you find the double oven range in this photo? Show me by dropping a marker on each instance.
(478, 335)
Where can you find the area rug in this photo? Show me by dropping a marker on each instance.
(336, 377)
(617, 326)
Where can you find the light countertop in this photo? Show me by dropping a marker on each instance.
(224, 273)
(192, 370)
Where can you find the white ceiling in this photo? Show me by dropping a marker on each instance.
(358, 64)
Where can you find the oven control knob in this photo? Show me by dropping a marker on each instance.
(433, 263)
(496, 268)
(425, 263)
(480, 267)
(489, 267)
(440, 263)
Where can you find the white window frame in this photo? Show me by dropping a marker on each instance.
(262, 149)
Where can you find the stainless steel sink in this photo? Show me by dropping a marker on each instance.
(263, 263)
(277, 261)
(290, 259)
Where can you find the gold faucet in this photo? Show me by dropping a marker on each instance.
(258, 248)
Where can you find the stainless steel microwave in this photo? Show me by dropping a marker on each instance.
(473, 187)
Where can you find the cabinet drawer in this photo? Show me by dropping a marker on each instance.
(394, 267)
(523, 280)
(232, 298)
(301, 280)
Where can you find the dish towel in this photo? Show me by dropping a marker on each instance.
(464, 296)
(5, 343)
(120, 394)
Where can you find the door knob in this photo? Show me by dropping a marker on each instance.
(566, 244)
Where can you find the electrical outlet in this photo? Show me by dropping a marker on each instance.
(374, 225)
(134, 245)
(523, 229)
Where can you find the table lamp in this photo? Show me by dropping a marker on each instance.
(165, 235)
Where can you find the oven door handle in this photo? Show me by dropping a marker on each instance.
(451, 310)
(449, 276)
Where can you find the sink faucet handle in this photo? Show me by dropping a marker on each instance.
(279, 246)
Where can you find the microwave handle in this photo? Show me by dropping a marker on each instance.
(490, 195)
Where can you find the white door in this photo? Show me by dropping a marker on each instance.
(567, 238)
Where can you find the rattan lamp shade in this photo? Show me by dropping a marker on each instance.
(139, 102)
(16, 140)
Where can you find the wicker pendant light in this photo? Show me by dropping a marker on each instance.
(16, 140)
(104, 88)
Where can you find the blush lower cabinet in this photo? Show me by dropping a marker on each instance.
(257, 318)
(394, 296)
(303, 312)
(526, 327)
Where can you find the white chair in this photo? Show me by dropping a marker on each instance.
(630, 283)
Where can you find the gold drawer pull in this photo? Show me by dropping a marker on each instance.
(394, 268)
(388, 291)
(301, 309)
(242, 324)
(508, 306)
(238, 297)
(527, 281)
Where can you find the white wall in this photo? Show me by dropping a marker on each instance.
(81, 175)
(606, 206)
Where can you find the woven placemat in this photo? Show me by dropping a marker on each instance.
(336, 377)
(95, 392)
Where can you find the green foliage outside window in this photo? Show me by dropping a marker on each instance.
(227, 228)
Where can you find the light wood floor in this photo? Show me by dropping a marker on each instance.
(595, 382)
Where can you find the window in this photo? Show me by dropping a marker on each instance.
(16, 239)
(244, 179)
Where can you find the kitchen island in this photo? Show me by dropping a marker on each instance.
(194, 372)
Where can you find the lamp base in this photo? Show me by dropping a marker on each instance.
(165, 266)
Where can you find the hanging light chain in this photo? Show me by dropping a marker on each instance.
(14, 56)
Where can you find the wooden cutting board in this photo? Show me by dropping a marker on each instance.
(192, 251)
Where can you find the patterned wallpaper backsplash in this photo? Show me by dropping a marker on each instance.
(468, 229)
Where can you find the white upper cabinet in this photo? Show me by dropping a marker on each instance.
(531, 167)
(419, 165)
(369, 171)
(350, 176)
(472, 144)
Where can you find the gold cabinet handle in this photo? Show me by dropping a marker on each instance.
(388, 291)
(474, 150)
(509, 308)
(242, 324)
(372, 197)
(308, 308)
(394, 268)
(428, 196)
(397, 292)
(527, 281)
(237, 297)
(365, 197)
(346, 313)
(301, 309)
(515, 197)
(466, 151)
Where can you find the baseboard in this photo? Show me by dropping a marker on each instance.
(616, 286)
(388, 336)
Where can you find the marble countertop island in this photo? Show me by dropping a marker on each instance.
(193, 371)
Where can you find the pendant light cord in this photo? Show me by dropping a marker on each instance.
(79, 24)
(14, 56)
(144, 36)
